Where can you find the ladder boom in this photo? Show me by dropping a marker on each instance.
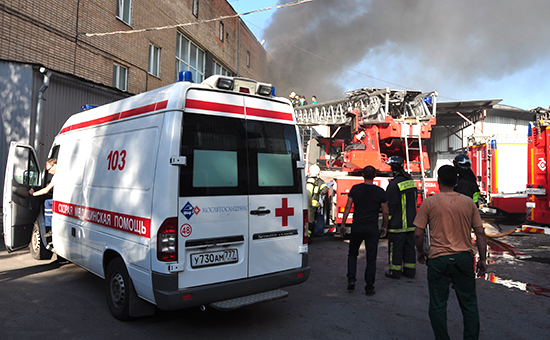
(371, 105)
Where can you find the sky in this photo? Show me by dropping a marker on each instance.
(464, 50)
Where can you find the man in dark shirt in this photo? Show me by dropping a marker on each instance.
(367, 199)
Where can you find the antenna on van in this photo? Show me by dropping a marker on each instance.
(186, 76)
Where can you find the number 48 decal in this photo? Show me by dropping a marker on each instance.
(116, 160)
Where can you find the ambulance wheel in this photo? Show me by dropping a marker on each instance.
(118, 288)
(38, 250)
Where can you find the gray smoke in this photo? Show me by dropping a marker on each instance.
(419, 45)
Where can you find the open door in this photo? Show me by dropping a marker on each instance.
(19, 207)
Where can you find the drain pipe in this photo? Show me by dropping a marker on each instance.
(43, 89)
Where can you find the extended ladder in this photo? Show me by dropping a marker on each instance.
(371, 105)
(416, 133)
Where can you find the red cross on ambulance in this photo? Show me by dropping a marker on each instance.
(284, 212)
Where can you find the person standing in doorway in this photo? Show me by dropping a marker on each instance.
(51, 166)
(450, 216)
(366, 199)
(402, 194)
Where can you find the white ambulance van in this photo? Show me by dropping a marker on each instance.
(187, 195)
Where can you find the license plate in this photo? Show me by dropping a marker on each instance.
(535, 191)
(214, 258)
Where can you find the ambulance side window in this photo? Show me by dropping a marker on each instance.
(273, 153)
(216, 156)
(25, 169)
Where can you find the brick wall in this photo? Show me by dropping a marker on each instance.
(51, 33)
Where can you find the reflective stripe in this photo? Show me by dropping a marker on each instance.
(408, 184)
(314, 203)
(404, 210)
(393, 266)
(409, 265)
(401, 230)
(476, 196)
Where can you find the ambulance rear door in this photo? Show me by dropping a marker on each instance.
(213, 193)
(276, 198)
(20, 209)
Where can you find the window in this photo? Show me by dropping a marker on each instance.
(120, 77)
(216, 156)
(189, 57)
(231, 156)
(221, 31)
(248, 58)
(154, 60)
(219, 69)
(196, 8)
(124, 9)
(25, 169)
(273, 152)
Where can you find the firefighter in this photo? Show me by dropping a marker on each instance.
(316, 191)
(467, 183)
(294, 99)
(402, 196)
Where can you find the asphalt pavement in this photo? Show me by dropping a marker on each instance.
(56, 299)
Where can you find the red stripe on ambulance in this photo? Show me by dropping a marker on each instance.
(117, 116)
(237, 109)
(127, 223)
(212, 106)
(251, 111)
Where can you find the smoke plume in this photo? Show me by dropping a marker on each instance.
(316, 47)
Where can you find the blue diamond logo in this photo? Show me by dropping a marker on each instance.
(187, 210)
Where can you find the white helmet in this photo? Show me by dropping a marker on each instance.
(314, 170)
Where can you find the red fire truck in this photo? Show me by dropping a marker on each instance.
(501, 182)
(367, 128)
(538, 179)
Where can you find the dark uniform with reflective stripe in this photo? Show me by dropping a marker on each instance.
(316, 189)
(402, 196)
(467, 184)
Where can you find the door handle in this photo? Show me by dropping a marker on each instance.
(260, 212)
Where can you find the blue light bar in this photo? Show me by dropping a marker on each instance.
(185, 76)
(428, 100)
(88, 107)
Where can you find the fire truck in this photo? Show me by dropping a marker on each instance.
(367, 128)
(538, 179)
(501, 182)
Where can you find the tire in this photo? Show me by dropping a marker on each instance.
(118, 289)
(38, 250)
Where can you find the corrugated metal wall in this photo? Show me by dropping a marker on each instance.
(64, 97)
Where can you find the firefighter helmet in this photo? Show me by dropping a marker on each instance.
(462, 161)
(397, 163)
(314, 170)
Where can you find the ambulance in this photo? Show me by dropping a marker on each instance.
(187, 195)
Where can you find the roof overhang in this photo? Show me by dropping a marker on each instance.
(458, 113)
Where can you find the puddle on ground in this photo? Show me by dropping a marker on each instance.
(526, 287)
(498, 248)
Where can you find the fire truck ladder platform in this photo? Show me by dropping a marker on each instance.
(372, 105)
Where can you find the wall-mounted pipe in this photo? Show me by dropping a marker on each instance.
(39, 107)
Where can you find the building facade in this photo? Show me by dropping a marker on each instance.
(69, 36)
(56, 56)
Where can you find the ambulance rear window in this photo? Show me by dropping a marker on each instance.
(231, 156)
